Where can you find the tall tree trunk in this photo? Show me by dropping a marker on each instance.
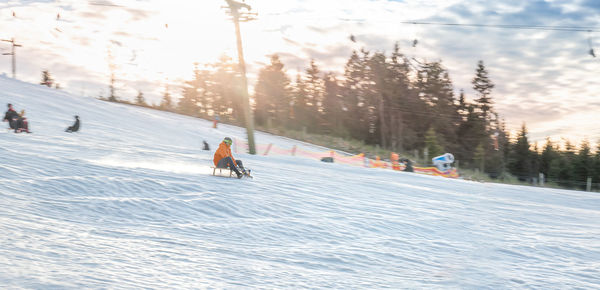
(382, 125)
(399, 128)
(393, 132)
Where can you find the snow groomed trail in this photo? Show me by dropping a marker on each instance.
(129, 202)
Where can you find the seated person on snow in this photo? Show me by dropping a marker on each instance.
(11, 116)
(224, 159)
(22, 124)
(75, 126)
(408, 165)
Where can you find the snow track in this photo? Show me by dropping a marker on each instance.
(129, 202)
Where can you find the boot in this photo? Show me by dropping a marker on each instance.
(237, 172)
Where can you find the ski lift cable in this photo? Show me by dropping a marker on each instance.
(101, 3)
(512, 26)
(504, 26)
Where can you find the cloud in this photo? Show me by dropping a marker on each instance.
(318, 29)
(290, 41)
(139, 14)
(329, 56)
(93, 14)
(544, 13)
(293, 61)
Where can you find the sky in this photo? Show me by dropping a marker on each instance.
(543, 78)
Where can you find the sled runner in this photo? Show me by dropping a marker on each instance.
(226, 172)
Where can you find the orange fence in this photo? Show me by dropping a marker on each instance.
(355, 160)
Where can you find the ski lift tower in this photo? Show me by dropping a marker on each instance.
(14, 61)
(243, 16)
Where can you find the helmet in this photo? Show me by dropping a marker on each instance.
(227, 141)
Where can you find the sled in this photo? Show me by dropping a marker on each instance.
(226, 172)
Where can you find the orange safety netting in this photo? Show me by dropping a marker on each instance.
(319, 155)
(451, 173)
(356, 160)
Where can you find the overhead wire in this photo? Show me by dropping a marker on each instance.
(510, 26)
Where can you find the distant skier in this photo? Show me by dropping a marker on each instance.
(11, 116)
(216, 121)
(75, 126)
(205, 145)
(224, 159)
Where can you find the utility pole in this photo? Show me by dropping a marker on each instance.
(237, 16)
(14, 61)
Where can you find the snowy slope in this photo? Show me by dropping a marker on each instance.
(128, 202)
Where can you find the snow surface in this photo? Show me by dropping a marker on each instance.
(128, 202)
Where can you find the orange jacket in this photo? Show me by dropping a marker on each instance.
(223, 152)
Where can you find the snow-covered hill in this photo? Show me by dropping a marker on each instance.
(128, 202)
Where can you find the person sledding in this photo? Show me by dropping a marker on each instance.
(22, 123)
(11, 116)
(75, 126)
(224, 159)
(16, 121)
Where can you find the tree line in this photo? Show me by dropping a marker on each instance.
(388, 99)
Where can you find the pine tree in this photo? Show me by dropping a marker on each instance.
(225, 90)
(432, 144)
(355, 91)
(111, 87)
(435, 89)
(549, 154)
(497, 152)
(140, 100)
(568, 171)
(300, 109)
(112, 67)
(205, 95)
(535, 161)
(561, 169)
(404, 102)
(520, 163)
(479, 157)
(190, 103)
(380, 90)
(47, 79)
(462, 105)
(167, 102)
(272, 93)
(559, 172)
(596, 178)
(470, 134)
(483, 86)
(314, 87)
(583, 164)
(332, 109)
